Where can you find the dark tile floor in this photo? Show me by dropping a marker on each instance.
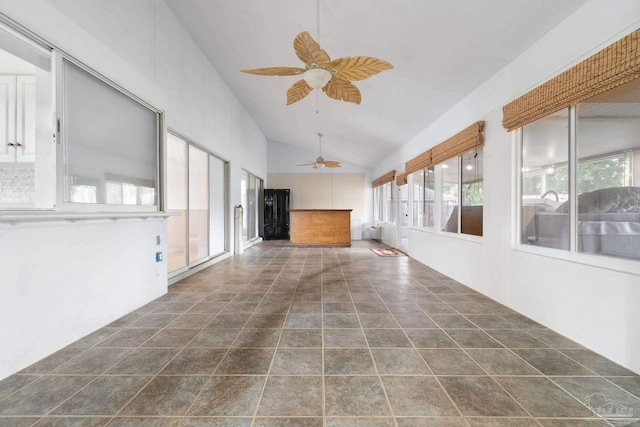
(283, 336)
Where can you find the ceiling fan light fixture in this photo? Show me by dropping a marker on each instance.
(317, 77)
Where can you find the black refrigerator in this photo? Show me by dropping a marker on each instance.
(276, 214)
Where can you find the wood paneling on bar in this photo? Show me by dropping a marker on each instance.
(320, 227)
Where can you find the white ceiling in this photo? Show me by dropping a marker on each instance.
(440, 49)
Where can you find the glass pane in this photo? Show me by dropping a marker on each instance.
(129, 194)
(472, 193)
(83, 193)
(390, 205)
(403, 190)
(108, 136)
(545, 182)
(258, 206)
(198, 204)
(114, 192)
(244, 186)
(378, 214)
(608, 164)
(429, 197)
(251, 209)
(418, 198)
(450, 195)
(217, 205)
(147, 195)
(177, 199)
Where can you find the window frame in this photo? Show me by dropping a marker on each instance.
(389, 205)
(438, 222)
(378, 204)
(58, 58)
(190, 267)
(49, 199)
(627, 265)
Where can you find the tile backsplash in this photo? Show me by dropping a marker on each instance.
(17, 182)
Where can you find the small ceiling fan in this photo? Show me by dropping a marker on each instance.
(334, 77)
(320, 162)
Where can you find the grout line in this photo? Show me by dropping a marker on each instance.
(270, 261)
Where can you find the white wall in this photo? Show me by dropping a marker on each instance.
(63, 280)
(590, 299)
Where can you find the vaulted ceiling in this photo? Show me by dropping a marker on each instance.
(440, 49)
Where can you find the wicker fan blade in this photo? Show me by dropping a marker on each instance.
(342, 90)
(309, 51)
(299, 90)
(358, 67)
(307, 164)
(332, 164)
(276, 71)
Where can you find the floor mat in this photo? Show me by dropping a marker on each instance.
(387, 252)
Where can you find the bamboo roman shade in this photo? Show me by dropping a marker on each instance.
(611, 67)
(401, 179)
(420, 162)
(460, 143)
(387, 177)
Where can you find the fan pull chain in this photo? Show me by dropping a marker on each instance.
(318, 101)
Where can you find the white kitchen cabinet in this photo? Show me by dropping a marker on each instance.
(17, 118)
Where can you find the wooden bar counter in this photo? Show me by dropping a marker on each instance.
(320, 227)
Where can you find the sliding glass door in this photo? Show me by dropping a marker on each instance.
(198, 204)
(177, 202)
(196, 182)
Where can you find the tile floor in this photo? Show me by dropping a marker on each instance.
(285, 336)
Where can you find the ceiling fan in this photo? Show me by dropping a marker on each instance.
(334, 77)
(320, 162)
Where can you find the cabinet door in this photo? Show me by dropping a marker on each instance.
(26, 118)
(7, 118)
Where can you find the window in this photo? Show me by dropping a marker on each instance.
(418, 198)
(251, 188)
(463, 193)
(177, 202)
(198, 204)
(471, 215)
(599, 177)
(424, 198)
(384, 207)
(107, 153)
(450, 194)
(110, 140)
(378, 204)
(545, 182)
(460, 197)
(389, 203)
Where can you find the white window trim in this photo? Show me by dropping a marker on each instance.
(430, 229)
(437, 226)
(67, 207)
(621, 265)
